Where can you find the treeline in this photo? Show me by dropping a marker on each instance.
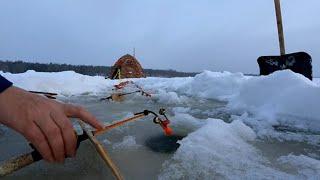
(20, 67)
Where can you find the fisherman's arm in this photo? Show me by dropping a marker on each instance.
(44, 122)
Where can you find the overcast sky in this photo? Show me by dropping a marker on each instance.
(186, 35)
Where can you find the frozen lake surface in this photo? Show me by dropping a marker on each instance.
(234, 127)
(127, 146)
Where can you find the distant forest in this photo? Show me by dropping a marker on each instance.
(20, 67)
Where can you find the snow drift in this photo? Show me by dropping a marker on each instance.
(64, 83)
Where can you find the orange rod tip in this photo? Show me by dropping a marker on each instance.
(168, 131)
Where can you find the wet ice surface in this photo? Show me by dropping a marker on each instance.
(220, 144)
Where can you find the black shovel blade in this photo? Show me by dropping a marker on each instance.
(299, 62)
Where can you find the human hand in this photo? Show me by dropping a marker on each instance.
(43, 122)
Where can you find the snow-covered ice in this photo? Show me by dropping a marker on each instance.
(219, 150)
(65, 83)
(281, 107)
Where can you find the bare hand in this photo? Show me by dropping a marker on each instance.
(44, 122)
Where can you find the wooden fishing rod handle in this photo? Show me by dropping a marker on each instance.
(14, 164)
(17, 163)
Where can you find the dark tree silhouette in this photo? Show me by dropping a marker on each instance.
(20, 67)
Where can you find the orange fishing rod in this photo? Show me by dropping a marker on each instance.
(157, 120)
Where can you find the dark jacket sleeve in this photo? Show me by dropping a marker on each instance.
(4, 84)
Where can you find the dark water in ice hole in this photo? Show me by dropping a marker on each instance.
(136, 161)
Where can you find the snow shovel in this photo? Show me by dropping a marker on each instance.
(300, 62)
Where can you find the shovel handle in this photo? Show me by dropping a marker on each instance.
(16, 163)
(280, 27)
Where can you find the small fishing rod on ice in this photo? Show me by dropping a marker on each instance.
(119, 96)
(122, 85)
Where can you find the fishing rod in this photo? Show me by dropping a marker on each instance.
(14, 164)
(125, 83)
(122, 85)
(118, 96)
(102, 152)
(47, 94)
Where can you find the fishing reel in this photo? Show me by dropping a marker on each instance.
(157, 119)
(163, 122)
(162, 111)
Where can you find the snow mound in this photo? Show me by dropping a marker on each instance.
(64, 83)
(281, 92)
(285, 100)
(214, 85)
(188, 122)
(219, 151)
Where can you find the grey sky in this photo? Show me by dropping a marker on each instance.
(167, 34)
